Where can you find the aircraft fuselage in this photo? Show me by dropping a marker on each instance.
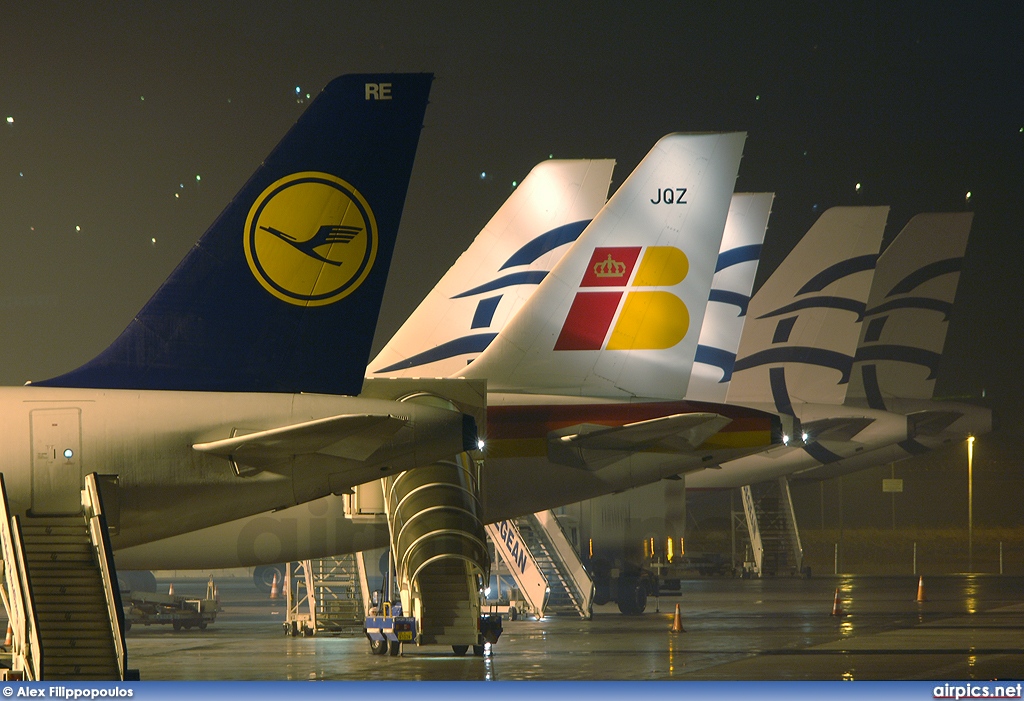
(519, 477)
(50, 438)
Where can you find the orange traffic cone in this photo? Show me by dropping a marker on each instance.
(170, 590)
(837, 610)
(920, 591)
(677, 622)
(9, 640)
(275, 590)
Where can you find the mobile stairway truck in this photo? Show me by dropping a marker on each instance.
(387, 628)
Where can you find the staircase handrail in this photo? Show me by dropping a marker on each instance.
(791, 527)
(14, 602)
(567, 555)
(308, 581)
(20, 612)
(92, 502)
(34, 645)
(433, 516)
(537, 591)
(474, 550)
(753, 529)
(363, 582)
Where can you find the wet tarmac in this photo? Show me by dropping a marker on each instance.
(970, 627)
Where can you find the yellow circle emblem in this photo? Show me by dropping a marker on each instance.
(310, 239)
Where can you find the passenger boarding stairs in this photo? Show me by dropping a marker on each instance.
(61, 595)
(546, 567)
(326, 596)
(439, 549)
(771, 528)
(450, 603)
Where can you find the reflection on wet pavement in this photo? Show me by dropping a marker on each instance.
(971, 627)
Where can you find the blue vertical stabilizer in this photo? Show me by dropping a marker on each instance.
(282, 293)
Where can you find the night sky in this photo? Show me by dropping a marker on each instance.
(138, 122)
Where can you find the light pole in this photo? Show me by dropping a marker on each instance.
(970, 504)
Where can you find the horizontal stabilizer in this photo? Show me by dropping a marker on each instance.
(836, 429)
(677, 433)
(348, 436)
(931, 423)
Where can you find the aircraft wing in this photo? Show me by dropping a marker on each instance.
(836, 429)
(677, 433)
(349, 436)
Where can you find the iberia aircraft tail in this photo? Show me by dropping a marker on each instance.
(500, 270)
(801, 332)
(615, 319)
(282, 293)
(907, 316)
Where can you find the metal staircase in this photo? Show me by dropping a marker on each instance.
(510, 548)
(61, 594)
(772, 529)
(545, 565)
(326, 596)
(450, 603)
(439, 548)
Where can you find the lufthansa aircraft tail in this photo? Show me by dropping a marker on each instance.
(619, 320)
(499, 271)
(282, 292)
(801, 332)
(905, 324)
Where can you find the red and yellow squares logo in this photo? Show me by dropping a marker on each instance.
(644, 319)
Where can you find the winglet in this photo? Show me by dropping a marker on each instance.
(249, 310)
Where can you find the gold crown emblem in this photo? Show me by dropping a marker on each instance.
(610, 268)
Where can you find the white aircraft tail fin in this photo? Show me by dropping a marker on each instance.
(499, 271)
(905, 324)
(621, 313)
(802, 327)
(730, 294)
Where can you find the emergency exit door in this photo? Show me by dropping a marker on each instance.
(56, 461)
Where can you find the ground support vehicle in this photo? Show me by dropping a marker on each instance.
(387, 632)
(150, 608)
